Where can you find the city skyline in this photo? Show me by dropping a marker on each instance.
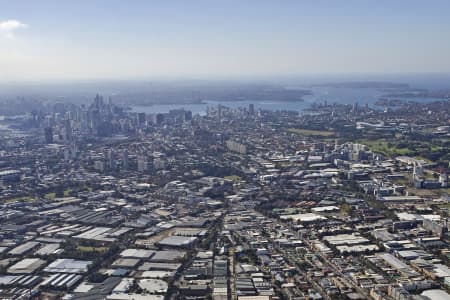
(73, 40)
(224, 150)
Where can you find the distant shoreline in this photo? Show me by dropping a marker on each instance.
(365, 85)
(205, 102)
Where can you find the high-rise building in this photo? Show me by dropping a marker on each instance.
(94, 119)
(98, 102)
(110, 159)
(219, 112)
(142, 164)
(417, 171)
(159, 164)
(236, 147)
(188, 115)
(159, 119)
(74, 150)
(48, 135)
(443, 179)
(251, 109)
(84, 119)
(141, 119)
(68, 130)
(125, 159)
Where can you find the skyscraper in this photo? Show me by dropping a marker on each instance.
(68, 131)
(48, 135)
(125, 159)
(251, 108)
(142, 163)
(141, 119)
(110, 159)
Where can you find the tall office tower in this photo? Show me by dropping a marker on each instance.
(141, 119)
(443, 179)
(110, 159)
(48, 135)
(125, 159)
(251, 109)
(68, 130)
(36, 167)
(74, 150)
(84, 120)
(98, 102)
(159, 119)
(219, 112)
(66, 154)
(110, 105)
(142, 164)
(69, 115)
(49, 121)
(188, 115)
(94, 121)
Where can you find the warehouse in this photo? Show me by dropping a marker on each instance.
(153, 286)
(304, 218)
(345, 239)
(125, 263)
(178, 241)
(24, 248)
(26, 266)
(167, 256)
(63, 281)
(67, 265)
(137, 253)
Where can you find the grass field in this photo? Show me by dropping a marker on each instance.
(307, 132)
(50, 196)
(233, 178)
(445, 206)
(67, 192)
(20, 199)
(386, 148)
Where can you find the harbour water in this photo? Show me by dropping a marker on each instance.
(339, 95)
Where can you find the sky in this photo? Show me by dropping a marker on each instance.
(134, 39)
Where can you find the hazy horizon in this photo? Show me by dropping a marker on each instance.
(432, 81)
(140, 40)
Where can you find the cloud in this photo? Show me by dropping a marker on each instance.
(8, 27)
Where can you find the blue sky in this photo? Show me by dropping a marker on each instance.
(100, 39)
